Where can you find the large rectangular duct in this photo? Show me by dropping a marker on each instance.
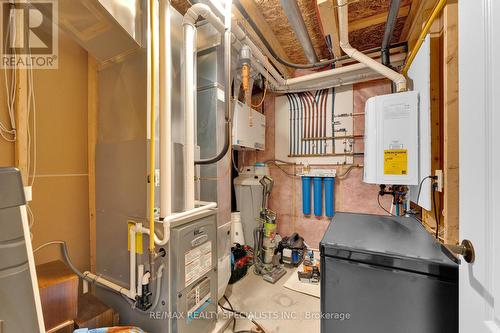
(107, 29)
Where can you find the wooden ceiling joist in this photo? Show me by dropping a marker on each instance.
(419, 13)
(376, 19)
(329, 22)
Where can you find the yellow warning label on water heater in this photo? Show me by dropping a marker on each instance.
(396, 162)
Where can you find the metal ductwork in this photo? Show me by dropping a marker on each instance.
(107, 29)
(298, 25)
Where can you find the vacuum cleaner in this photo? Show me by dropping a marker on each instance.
(266, 240)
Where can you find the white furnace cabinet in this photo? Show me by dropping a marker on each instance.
(391, 139)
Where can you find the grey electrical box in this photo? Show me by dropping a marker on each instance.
(384, 274)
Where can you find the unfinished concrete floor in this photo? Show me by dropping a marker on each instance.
(276, 308)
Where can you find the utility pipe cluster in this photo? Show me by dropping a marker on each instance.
(334, 77)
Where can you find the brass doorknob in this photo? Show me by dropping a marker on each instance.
(466, 250)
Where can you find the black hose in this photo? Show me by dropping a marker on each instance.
(231, 309)
(224, 150)
(436, 213)
(64, 250)
(227, 106)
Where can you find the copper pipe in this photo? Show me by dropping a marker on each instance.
(332, 137)
(323, 155)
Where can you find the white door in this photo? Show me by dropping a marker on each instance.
(479, 90)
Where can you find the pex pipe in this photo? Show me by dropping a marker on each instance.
(318, 196)
(306, 195)
(329, 196)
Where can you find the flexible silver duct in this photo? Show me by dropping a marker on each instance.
(298, 25)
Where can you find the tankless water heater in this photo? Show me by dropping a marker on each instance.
(391, 139)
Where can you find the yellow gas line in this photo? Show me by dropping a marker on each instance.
(423, 34)
(152, 132)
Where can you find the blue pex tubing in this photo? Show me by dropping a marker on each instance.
(306, 195)
(329, 196)
(318, 196)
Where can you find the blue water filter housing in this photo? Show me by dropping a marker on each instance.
(329, 196)
(318, 196)
(306, 195)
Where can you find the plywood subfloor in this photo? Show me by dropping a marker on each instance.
(254, 295)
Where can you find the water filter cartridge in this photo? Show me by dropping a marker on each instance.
(329, 196)
(318, 196)
(306, 195)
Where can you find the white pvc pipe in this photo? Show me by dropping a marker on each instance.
(140, 276)
(102, 281)
(85, 287)
(132, 292)
(165, 110)
(397, 78)
(189, 94)
(244, 39)
(189, 112)
(328, 78)
(176, 217)
(318, 80)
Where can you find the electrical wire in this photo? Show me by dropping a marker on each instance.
(32, 109)
(283, 170)
(31, 220)
(263, 96)
(10, 92)
(346, 173)
(420, 186)
(265, 92)
(64, 250)
(31, 139)
(276, 57)
(232, 310)
(276, 161)
(382, 207)
(436, 215)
